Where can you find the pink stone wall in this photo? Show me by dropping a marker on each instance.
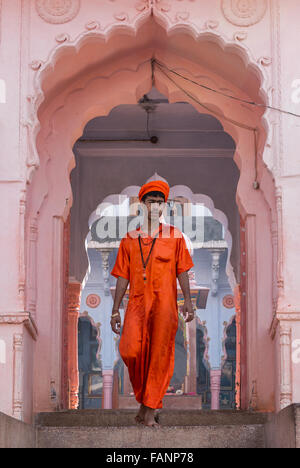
(50, 58)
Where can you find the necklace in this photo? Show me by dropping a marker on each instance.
(145, 263)
(146, 243)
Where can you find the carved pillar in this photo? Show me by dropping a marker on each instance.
(105, 269)
(32, 266)
(73, 313)
(250, 275)
(22, 273)
(280, 280)
(56, 311)
(215, 385)
(18, 376)
(66, 259)
(215, 269)
(107, 388)
(285, 366)
(243, 319)
(237, 305)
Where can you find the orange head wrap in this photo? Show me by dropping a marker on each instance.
(155, 186)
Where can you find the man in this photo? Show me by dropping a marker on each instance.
(151, 258)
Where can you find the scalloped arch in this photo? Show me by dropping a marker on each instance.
(51, 75)
(175, 191)
(73, 47)
(55, 126)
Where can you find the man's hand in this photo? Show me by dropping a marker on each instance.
(121, 288)
(115, 323)
(188, 311)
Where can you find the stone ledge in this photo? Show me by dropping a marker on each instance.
(282, 430)
(280, 317)
(19, 318)
(16, 434)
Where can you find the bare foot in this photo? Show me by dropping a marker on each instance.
(150, 418)
(139, 419)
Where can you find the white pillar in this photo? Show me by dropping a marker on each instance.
(18, 377)
(107, 388)
(285, 366)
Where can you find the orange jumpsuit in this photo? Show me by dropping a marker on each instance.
(147, 343)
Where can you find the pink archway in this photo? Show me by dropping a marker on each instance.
(86, 80)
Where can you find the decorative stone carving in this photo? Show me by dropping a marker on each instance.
(36, 64)
(91, 25)
(244, 12)
(182, 15)
(60, 38)
(211, 24)
(105, 268)
(57, 11)
(215, 269)
(265, 61)
(240, 36)
(280, 280)
(228, 301)
(163, 6)
(142, 5)
(121, 16)
(93, 300)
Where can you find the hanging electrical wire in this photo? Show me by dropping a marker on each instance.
(220, 115)
(245, 101)
(166, 71)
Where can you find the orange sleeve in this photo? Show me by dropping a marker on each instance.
(184, 261)
(122, 267)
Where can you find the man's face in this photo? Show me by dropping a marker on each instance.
(155, 206)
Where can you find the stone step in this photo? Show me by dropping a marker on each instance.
(138, 437)
(179, 429)
(125, 417)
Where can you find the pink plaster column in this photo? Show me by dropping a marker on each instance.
(107, 388)
(215, 385)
